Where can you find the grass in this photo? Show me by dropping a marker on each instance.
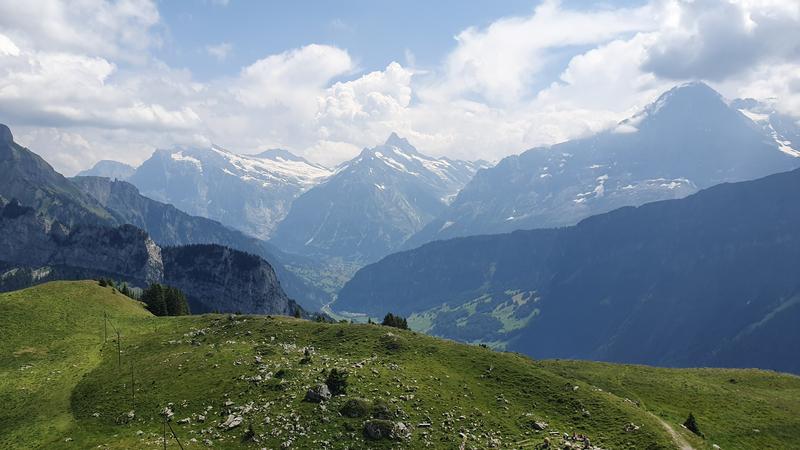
(60, 382)
(735, 409)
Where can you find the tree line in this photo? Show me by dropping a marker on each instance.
(160, 300)
(165, 300)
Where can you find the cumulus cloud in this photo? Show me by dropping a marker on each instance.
(502, 62)
(122, 29)
(715, 40)
(81, 83)
(219, 51)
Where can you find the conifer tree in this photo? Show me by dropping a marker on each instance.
(155, 300)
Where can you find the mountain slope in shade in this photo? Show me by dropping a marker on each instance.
(688, 139)
(26, 177)
(169, 226)
(109, 169)
(51, 229)
(711, 279)
(373, 203)
(34, 250)
(249, 193)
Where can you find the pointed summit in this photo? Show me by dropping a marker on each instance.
(690, 98)
(396, 141)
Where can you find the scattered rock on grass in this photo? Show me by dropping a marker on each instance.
(318, 393)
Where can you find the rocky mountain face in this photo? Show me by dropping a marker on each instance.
(32, 240)
(373, 203)
(26, 177)
(719, 266)
(169, 226)
(110, 169)
(63, 232)
(214, 278)
(213, 275)
(688, 139)
(248, 193)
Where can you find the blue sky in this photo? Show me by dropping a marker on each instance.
(376, 32)
(86, 80)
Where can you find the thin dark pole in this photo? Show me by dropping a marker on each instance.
(175, 435)
(133, 387)
(165, 432)
(119, 351)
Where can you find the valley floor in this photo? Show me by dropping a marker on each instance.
(240, 381)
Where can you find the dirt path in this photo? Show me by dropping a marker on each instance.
(679, 440)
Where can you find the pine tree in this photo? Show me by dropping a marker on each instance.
(155, 300)
(176, 302)
(390, 320)
(691, 425)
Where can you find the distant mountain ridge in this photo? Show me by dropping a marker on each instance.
(110, 169)
(249, 193)
(708, 280)
(169, 226)
(51, 229)
(688, 139)
(372, 203)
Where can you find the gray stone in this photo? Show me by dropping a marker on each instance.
(318, 393)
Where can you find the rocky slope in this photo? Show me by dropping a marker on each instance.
(66, 233)
(169, 226)
(688, 139)
(214, 278)
(213, 275)
(248, 193)
(709, 280)
(26, 177)
(373, 203)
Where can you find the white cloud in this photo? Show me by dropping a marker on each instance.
(122, 29)
(502, 62)
(219, 51)
(81, 84)
(7, 47)
(715, 40)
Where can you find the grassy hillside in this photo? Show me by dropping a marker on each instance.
(62, 387)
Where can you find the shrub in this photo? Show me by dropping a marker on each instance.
(337, 381)
(356, 407)
(378, 429)
(691, 425)
(392, 342)
(381, 410)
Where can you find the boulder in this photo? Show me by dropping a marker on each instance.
(378, 429)
(232, 421)
(318, 393)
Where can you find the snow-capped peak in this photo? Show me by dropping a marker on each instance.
(270, 168)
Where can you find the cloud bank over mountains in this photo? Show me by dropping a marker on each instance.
(82, 82)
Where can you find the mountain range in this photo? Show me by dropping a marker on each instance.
(52, 229)
(109, 169)
(690, 138)
(169, 226)
(708, 280)
(372, 203)
(249, 193)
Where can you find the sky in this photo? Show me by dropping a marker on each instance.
(86, 80)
